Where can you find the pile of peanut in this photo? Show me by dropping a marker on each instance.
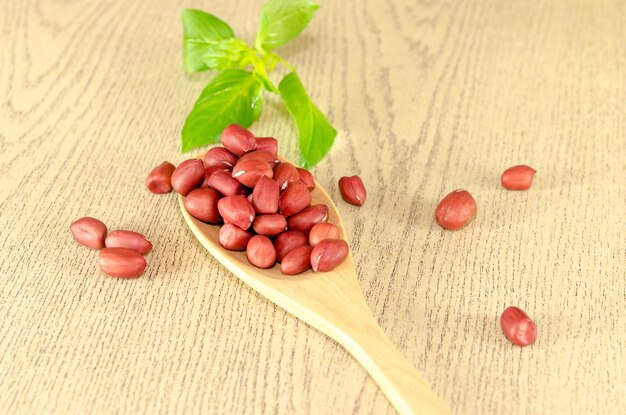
(263, 204)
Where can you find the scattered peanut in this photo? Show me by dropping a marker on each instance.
(456, 210)
(352, 190)
(518, 177)
(89, 232)
(122, 262)
(518, 327)
(128, 239)
(159, 180)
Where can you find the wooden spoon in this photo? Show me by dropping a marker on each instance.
(333, 303)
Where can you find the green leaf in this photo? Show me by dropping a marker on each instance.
(283, 20)
(317, 135)
(225, 54)
(233, 96)
(209, 43)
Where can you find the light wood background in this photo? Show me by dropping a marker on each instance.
(427, 97)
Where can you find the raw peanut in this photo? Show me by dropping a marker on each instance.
(236, 210)
(352, 190)
(233, 237)
(518, 327)
(209, 171)
(261, 252)
(328, 254)
(294, 198)
(238, 140)
(304, 221)
(296, 261)
(202, 205)
(128, 239)
(89, 232)
(269, 225)
(219, 156)
(262, 155)
(285, 174)
(248, 172)
(268, 144)
(159, 180)
(518, 177)
(265, 196)
(287, 242)
(224, 183)
(307, 178)
(249, 197)
(456, 210)
(187, 176)
(321, 231)
(122, 262)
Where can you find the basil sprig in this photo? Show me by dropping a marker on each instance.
(235, 94)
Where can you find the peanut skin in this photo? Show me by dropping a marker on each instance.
(159, 181)
(297, 261)
(238, 140)
(122, 262)
(328, 254)
(456, 210)
(261, 252)
(518, 177)
(187, 176)
(352, 190)
(128, 239)
(518, 327)
(89, 232)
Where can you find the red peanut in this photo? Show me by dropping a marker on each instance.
(518, 327)
(294, 198)
(287, 242)
(328, 254)
(265, 196)
(122, 262)
(248, 172)
(224, 183)
(128, 239)
(89, 232)
(307, 178)
(296, 261)
(304, 220)
(267, 144)
(236, 210)
(352, 190)
(262, 155)
(261, 252)
(321, 231)
(456, 210)
(518, 177)
(202, 205)
(269, 225)
(238, 140)
(187, 176)
(285, 174)
(233, 237)
(159, 180)
(219, 156)
(209, 171)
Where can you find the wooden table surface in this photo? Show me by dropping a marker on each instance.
(427, 97)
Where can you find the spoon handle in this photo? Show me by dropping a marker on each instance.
(407, 391)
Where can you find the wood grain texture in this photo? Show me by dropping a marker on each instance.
(427, 97)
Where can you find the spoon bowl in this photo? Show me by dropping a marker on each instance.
(333, 303)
